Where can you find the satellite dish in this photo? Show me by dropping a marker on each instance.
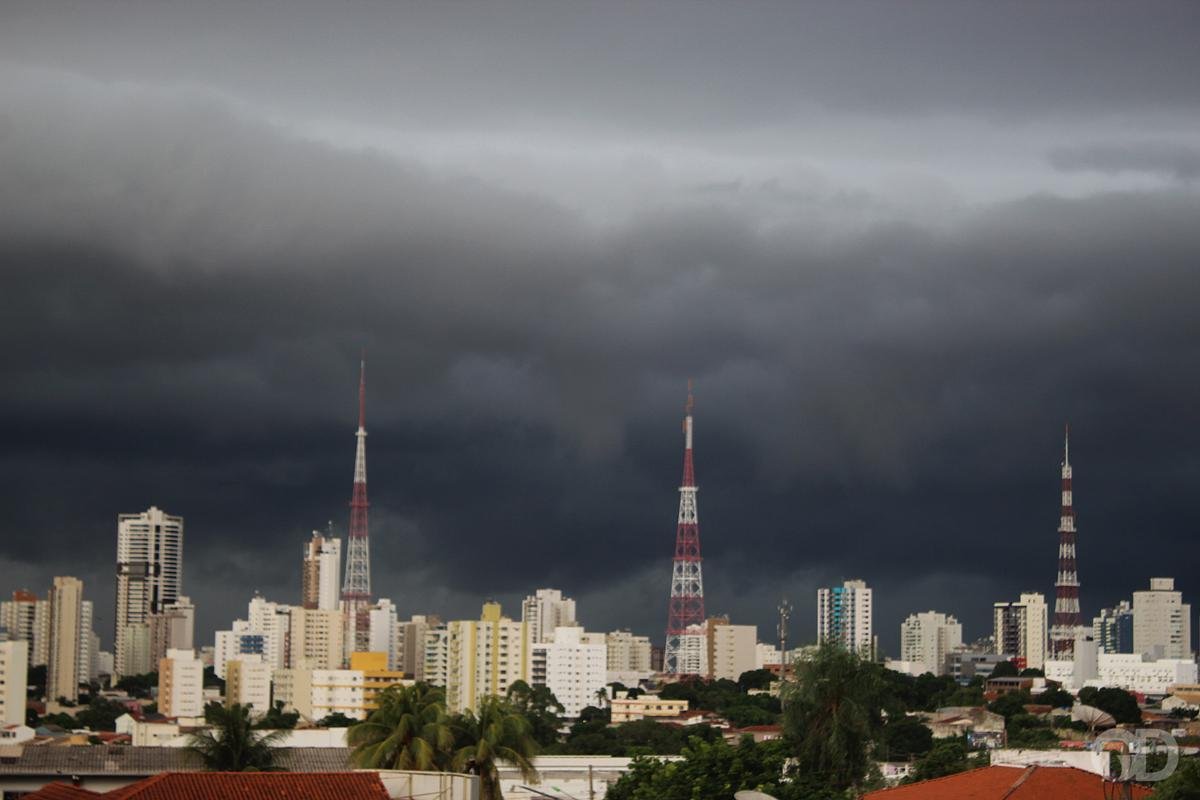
(1092, 717)
(750, 794)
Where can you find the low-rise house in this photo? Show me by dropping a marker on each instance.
(982, 728)
(1007, 783)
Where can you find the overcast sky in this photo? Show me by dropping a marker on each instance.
(897, 246)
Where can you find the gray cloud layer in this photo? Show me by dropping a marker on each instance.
(883, 368)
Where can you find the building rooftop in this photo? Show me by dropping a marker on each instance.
(255, 786)
(142, 761)
(1006, 783)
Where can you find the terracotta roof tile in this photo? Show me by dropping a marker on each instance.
(255, 786)
(1005, 783)
(61, 791)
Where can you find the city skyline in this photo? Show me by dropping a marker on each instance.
(897, 248)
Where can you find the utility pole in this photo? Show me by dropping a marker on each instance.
(785, 612)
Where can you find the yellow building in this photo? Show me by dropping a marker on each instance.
(482, 657)
(625, 709)
(376, 676)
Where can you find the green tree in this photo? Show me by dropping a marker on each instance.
(494, 733)
(540, 707)
(232, 744)
(409, 730)
(1183, 784)
(278, 719)
(336, 720)
(756, 679)
(712, 771)
(903, 738)
(1118, 702)
(101, 715)
(1055, 697)
(946, 757)
(1005, 669)
(138, 685)
(1010, 704)
(832, 713)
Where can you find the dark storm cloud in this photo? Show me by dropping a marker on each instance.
(1178, 161)
(188, 279)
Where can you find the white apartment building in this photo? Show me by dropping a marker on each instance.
(766, 654)
(544, 611)
(627, 652)
(1021, 629)
(1162, 621)
(26, 617)
(844, 615)
(693, 651)
(732, 649)
(149, 572)
(317, 693)
(180, 684)
(382, 631)
(66, 617)
(14, 669)
(275, 622)
(473, 659)
(927, 638)
(248, 683)
(573, 668)
(1133, 672)
(321, 577)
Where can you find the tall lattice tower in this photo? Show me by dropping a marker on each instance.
(1066, 587)
(686, 606)
(356, 588)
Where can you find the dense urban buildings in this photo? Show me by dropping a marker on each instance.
(149, 577)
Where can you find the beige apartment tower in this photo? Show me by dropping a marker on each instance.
(66, 619)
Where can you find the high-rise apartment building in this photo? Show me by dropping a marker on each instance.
(382, 631)
(1113, 629)
(731, 648)
(321, 577)
(1020, 629)
(149, 574)
(180, 684)
(26, 617)
(844, 616)
(248, 683)
(173, 628)
(410, 644)
(1162, 621)
(927, 638)
(66, 617)
(545, 610)
(14, 667)
(481, 657)
(317, 639)
(572, 667)
(627, 652)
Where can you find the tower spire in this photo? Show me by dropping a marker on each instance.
(1067, 618)
(356, 588)
(684, 651)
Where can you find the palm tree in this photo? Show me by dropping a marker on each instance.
(231, 744)
(602, 696)
(833, 713)
(409, 730)
(492, 734)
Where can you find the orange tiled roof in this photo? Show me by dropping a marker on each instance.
(61, 791)
(1005, 783)
(255, 786)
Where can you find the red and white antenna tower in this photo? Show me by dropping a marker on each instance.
(356, 589)
(1066, 588)
(686, 606)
